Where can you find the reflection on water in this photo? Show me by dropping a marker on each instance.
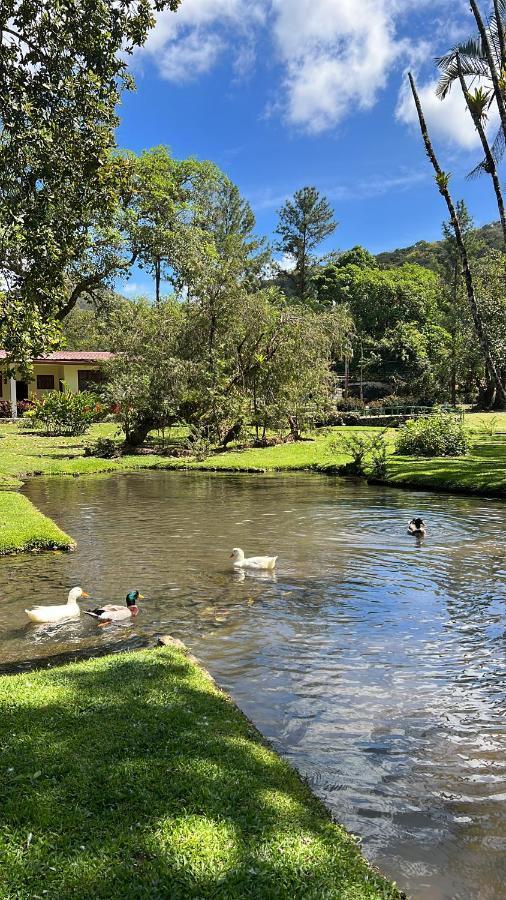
(374, 662)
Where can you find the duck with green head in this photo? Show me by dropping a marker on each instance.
(115, 613)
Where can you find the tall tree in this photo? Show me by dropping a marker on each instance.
(62, 71)
(442, 181)
(230, 220)
(304, 222)
(464, 353)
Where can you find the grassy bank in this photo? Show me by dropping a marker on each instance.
(23, 527)
(133, 776)
(24, 454)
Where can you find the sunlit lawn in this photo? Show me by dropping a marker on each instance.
(23, 527)
(23, 454)
(133, 776)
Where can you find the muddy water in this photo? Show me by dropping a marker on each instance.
(375, 663)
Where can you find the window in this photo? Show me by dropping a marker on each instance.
(45, 382)
(88, 378)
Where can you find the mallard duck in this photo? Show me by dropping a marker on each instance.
(114, 613)
(251, 562)
(47, 614)
(417, 527)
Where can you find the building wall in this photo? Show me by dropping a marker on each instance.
(55, 370)
(60, 372)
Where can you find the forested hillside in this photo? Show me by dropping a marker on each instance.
(425, 253)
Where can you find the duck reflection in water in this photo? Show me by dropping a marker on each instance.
(240, 575)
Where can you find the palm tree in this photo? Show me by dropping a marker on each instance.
(478, 103)
(481, 57)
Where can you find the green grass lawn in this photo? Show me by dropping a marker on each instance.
(25, 453)
(133, 776)
(23, 527)
(482, 471)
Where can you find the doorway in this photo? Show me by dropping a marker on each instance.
(21, 390)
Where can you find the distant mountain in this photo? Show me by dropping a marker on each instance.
(425, 253)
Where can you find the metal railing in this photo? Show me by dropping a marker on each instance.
(413, 412)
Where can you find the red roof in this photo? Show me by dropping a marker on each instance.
(71, 356)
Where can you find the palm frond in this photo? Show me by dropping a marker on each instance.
(478, 170)
(472, 60)
(499, 146)
(497, 149)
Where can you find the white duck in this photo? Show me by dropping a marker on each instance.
(251, 562)
(69, 610)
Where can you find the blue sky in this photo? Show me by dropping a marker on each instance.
(285, 93)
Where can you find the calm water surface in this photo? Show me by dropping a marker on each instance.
(374, 663)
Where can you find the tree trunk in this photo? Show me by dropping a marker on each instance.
(442, 182)
(500, 33)
(138, 433)
(294, 428)
(158, 279)
(453, 376)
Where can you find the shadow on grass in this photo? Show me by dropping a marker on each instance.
(137, 778)
(482, 470)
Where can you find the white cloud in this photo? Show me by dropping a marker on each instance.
(448, 119)
(333, 57)
(337, 55)
(188, 44)
(191, 56)
(135, 289)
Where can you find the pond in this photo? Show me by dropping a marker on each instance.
(375, 663)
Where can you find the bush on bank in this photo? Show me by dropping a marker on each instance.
(436, 435)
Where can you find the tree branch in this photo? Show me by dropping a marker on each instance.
(91, 281)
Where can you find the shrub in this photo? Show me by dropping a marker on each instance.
(62, 412)
(6, 410)
(105, 448)
(379, 460)
(345, 404)
(198, 443)
(360, 446)
(24, 406)
(393, 400)
(436, 435)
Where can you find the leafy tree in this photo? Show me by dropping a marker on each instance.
(147, 379)
(88, 325)
(489, 279)
(399, 334)
(381, 298)
(357, 256)
(304, 222)
(230, 220)
(63, 68)
(165, 202)
(291, 382)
